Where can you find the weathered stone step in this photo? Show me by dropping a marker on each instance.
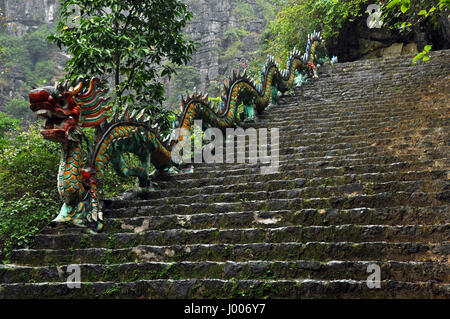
(299, 191)
(308, 170)
(216, 288)
(314, 144)
(343, 156)
(300, 269)
(314, 251)
(321, 144)
(331, 118)
(435, 179)
(356, 123)
(336, 137)
(311, 106)
(302, 234)
(369, 95)
(307, 104)
(131, 208)
(304, 117)
(294, 178)
(372, 132)
(350, 87)
(289, 153)
(402, 215)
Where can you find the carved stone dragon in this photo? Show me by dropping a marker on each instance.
(68, 110)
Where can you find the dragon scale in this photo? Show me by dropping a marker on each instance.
(81, 170)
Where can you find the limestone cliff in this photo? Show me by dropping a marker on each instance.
(26, 15)
(227, 30)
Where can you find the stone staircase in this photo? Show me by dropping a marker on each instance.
(363, 180)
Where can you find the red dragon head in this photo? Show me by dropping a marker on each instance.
(67, 110)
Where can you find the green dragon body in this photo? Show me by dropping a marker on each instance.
(67, 111)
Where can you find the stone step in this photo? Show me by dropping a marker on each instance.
(306, 170)
(216, 288)
(333, 118)
(305, 178)
(307, 103)
(392, 216)
(253, 269)
(341, 233)
(433, 179)
(287, 148)
(299, 191)
(335, 137)
(340, 118)
(314, 251)
(131, 208)
(336, 158)
(356, 123)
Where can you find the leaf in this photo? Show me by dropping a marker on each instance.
(422, 13)
(393, 3)
(426, 58)
(404, 8)
(418, 56)
(427, 48)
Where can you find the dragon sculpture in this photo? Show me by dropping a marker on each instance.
(68, 110)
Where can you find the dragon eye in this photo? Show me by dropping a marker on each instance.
(62, 102)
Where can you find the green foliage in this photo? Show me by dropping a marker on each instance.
(28, 196)
(243, 11)
(18, 108)
(405, 15)
(134, 42)
(423, 55)
(30, 52)
(37, 44)
(27, 58)
(297, 19)
(7, 126)
(187, 78)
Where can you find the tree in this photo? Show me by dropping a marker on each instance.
(131, 41)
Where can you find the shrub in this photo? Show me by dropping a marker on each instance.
(28, 194)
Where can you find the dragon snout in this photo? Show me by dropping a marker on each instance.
(40, 99)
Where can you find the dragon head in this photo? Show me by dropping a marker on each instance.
(66, 110)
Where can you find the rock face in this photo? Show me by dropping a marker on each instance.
(26, 15)
(356, 41)
(228, 31)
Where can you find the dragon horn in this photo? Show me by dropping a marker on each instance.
(76, 90)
